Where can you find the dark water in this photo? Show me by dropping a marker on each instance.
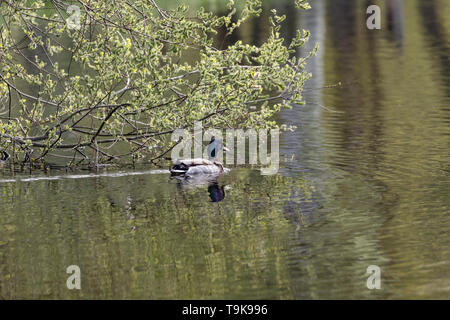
(364, 180)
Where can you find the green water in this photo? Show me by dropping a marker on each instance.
(364, 180)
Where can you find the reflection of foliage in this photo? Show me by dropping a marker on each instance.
(119, 85)
(134, 240)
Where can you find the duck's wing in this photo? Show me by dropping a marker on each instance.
(197, 166)
(194, 162)
(193, 166)
(204, 169)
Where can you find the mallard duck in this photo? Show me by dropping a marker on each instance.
(4, 156)
(201, 166)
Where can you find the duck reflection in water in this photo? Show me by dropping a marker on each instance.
(215, 190)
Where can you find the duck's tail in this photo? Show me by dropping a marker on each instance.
(179, 169)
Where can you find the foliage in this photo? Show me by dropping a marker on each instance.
(119, 83)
